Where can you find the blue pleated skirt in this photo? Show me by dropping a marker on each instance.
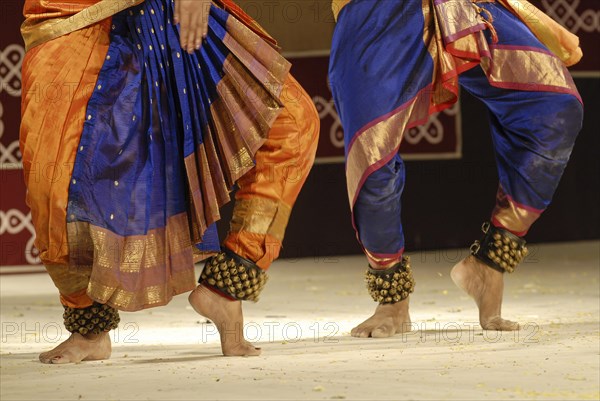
(166, 135)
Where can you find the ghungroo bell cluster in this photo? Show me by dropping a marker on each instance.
(391, 285)
(234, 276)
(499, 248)
(93, 319)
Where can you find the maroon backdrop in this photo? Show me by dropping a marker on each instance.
(440, 138)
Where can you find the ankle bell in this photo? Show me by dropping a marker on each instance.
(95, 319)
(499, 248)
(391, 285)
(233, 276)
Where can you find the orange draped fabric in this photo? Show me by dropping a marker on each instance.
(268, 192)
(58, 79)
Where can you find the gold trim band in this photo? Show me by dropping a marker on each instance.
(35, 33)
(260, 216)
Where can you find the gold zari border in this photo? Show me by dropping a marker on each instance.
(378, 141)
(261, 216)
(529, 67)
(150, 296)
(35, 33)
(561, 42)
(512, 216)
(139, 271)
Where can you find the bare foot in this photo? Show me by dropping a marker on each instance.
(388, 320)
(486, 286)
(229, 319)
(77, 348)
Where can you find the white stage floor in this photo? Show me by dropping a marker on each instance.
(302, 324)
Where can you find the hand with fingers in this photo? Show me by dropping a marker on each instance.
(192, 17)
